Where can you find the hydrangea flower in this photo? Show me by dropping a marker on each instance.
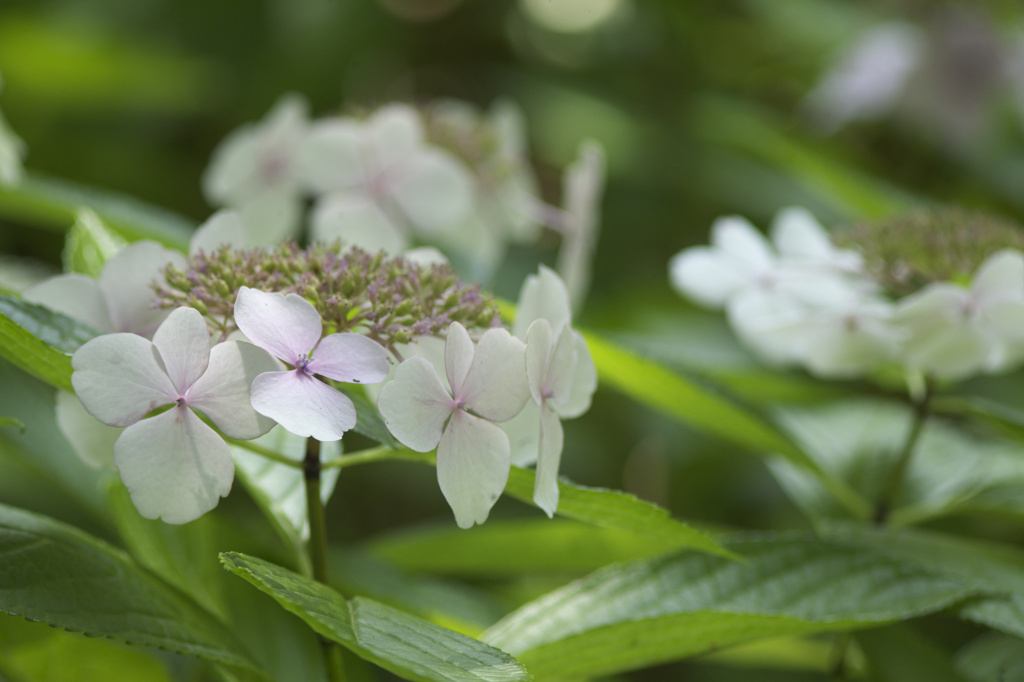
(254, 170)
(488, 384)
(121, 299)
(955, 330)
(561, 375)
(381, 181)
(173, 464)
(289, 327)
(582, 187)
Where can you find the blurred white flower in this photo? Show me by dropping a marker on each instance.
(582, 188)
(12, 153)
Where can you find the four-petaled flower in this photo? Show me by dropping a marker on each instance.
(289, 327)
(488, 384)
(173, 464)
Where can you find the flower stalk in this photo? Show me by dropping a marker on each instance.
(885, 501)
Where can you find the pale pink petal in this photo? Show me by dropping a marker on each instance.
(127, 284)
(357, 220)
(287, 326)
(92, 441)
(351, 358)
(472, 466)
(584, 383)
(415, 405)
(538, 358)
(496, 387)
(175, 466)
(705, 276)
(542, 297)
(434, 190)
(545, 486)
(183, 341)
(303, 404)
(458, 357)
(119, 378)
(77, 296)
(222, 393)
(332, 156)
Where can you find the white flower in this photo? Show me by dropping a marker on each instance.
(254, 169)
(562, 380)
(955, 331)
(121, 299)
(582, 188)
(173, 464)
(289, 327)
(381, 182)
(488, 384)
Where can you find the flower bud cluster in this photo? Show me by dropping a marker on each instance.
(391, 300)
(937, 293)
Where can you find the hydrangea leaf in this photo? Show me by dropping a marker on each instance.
(406, 645)
(688, 604)
(39, 340)
(46, 565)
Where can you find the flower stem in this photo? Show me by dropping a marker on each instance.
(318, 547)
(272, 455)
(379, 454)
(884, 505)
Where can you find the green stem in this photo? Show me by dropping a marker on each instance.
(378, 454)
(265, 452)
(884, 505)
(311, 468)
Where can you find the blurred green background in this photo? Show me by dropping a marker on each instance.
(704, 109)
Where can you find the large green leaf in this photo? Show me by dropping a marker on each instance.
(897, 653)
(408, 646)
(59, 575)
(636, 614)
(55, 203)
(40, 341)
(992, 658)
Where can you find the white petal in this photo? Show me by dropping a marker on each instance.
(222, 392)
(703, 275)
(351, 358)
(223, 227)
(538, 358)
(394, 133)
(126, 281)
(524, 434)
(584, 383)
(77, 296)
(272, 217)
(583, 186)
(287, 326)
(1000, 277)
(740, 242)
(357, 220)
(562, 367)
(119, 379)
(302, 404)
(496, 387)
(434, 190)
(91, 440)
(425, 256)
(796, 233)
(545, 487)
(542, 297)
(175, 466)
(458, 356)
(331, 156)
(472, 466)
(415, 405)
(772, 325)
(183, 341)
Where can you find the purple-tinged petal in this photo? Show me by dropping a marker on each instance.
(175, 467)
(472, 466)
(496, 387)
(222, 393)
(415, 405)
(545, 487)
(458, 357)
(126, 281)
(119, 379)
(77, 296)
(183, 341)
(287, 326)
(351, 358)
(303, 404)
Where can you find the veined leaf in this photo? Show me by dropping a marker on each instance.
(89, 244)
(992, 658)
(636, 614)
(59, 575)
(408, 646)
(40, 341)
(616, 509)
(55, 204)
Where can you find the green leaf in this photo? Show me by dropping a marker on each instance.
(408, 646)
(55, 204)
(11, 421)
(898, 653)
(616, 509)
(512, 548)
(637, 614)
(59, 575)
(992, 658)
(40, 341)
(89, 245)
(368, 419)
